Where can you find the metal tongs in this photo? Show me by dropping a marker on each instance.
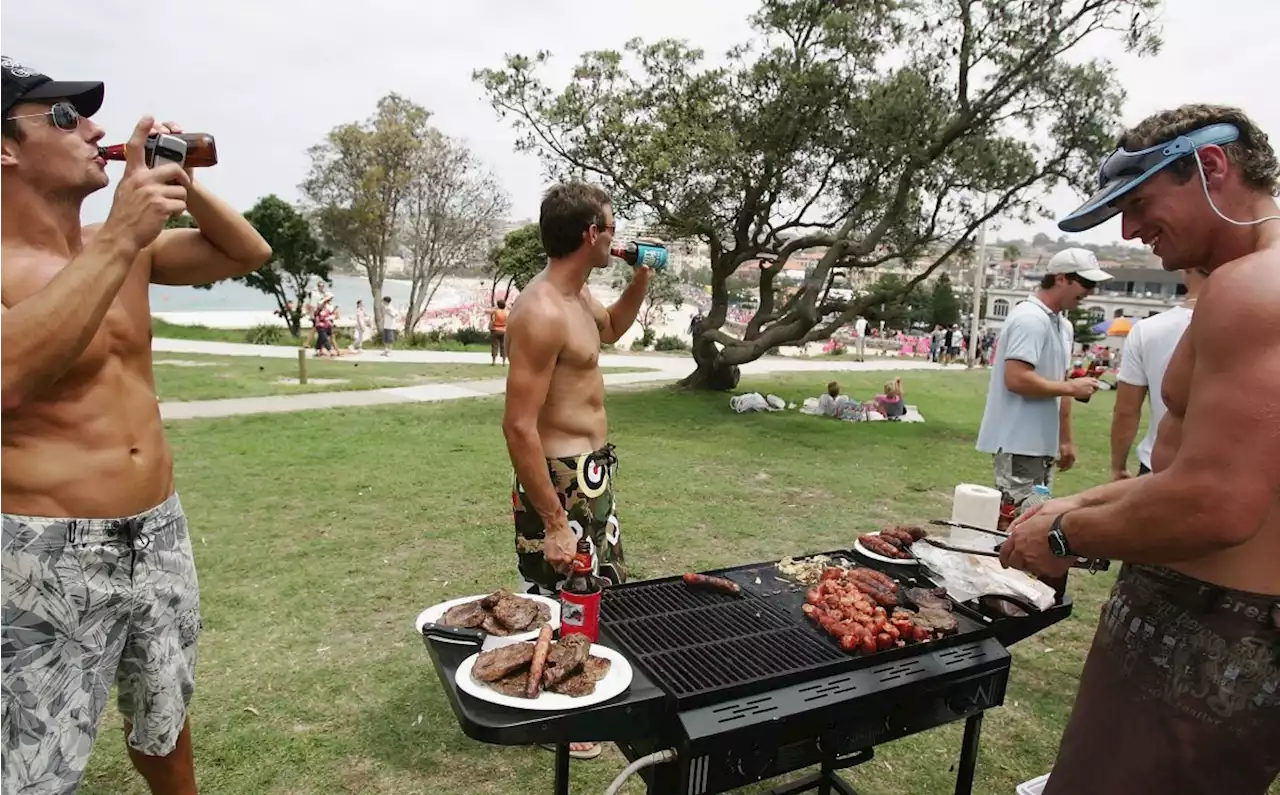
(1090, 564)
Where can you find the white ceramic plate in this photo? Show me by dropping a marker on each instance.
(885, 558)
(434, 613)
(614, 684)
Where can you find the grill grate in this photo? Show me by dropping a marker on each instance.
(700, 644)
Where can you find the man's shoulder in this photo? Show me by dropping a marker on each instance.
(1239, 301)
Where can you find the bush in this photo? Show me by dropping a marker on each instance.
(669, 343)
(425, 339)
(637, 344)
(836, 350)
(471, 336)
(266, 335)
(607, 347)
(646, 337)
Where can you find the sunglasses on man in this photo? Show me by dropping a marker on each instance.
(64, 115)
(1080, 280)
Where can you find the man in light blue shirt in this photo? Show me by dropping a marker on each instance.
(1027, 423)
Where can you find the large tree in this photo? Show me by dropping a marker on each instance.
(451, 212)
(360, 177)
(873, 130)
(296, 257)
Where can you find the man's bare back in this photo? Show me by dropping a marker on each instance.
(572, 419)
(93, 443)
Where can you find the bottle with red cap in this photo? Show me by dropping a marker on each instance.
(580, 597)
(202, 152)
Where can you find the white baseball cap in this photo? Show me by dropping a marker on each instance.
(1080, 261)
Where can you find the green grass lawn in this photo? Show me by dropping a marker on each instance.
(164, 330)
(320, 535)
(186, 376)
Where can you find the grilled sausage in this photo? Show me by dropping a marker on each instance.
(708, 583)
(540, 651)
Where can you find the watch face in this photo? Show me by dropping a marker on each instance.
(1057, 544)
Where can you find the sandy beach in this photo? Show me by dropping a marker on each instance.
(458, 303)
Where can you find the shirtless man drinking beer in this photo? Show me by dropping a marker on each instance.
(1181, 689)
(555, 425)
(99, 583)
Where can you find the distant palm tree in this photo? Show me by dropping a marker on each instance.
(1011, 253)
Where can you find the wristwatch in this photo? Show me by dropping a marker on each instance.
(1058, 539)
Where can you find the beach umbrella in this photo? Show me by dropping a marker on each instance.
(1100, 328)
(1119, 327)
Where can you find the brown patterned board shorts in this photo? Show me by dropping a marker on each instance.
(584, 484)
(88, 603)
(1180, 693)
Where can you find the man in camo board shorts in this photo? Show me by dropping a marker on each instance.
(110, 597)
(555, 423)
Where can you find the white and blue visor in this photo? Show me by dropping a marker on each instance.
(1123, 171)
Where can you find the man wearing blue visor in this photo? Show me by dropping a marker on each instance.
(1181, 689)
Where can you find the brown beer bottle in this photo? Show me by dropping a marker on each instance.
(202, 152)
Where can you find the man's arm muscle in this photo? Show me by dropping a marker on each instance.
(225, 245)
(42, 336)
(1224, 478)
(535, 337)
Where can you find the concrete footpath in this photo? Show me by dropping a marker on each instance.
(660, 369)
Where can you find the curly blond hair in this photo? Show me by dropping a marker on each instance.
(1251, 152)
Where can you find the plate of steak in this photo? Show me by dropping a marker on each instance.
(504, 616)
(501, 676)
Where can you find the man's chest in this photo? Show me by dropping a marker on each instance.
(125, 330)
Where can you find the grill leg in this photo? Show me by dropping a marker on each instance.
(562, 769)
(968, 754)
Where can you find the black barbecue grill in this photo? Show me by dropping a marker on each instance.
(745, 688)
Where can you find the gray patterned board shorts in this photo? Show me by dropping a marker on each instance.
(88, 603)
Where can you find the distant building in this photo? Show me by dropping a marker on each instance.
(1132, 292)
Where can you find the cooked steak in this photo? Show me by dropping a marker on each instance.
(941, 622)
(494, 664)
(493, 626)
(544, 613)
(513, 685)
(566, 657)
(516, 614)
(583, 683)
(492, 599)
(470, 614)
(924, 598)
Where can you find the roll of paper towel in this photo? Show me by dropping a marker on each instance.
(978, 506)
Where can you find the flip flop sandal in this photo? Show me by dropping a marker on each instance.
(596, 750)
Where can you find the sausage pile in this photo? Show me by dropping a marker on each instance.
(893, 542)
(854, 607)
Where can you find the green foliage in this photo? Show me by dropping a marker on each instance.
(668, 342)
(360, 178)
(520, 257)
(266, 335)
(1083, 326)
(871, 130)
(469, 336)
(944, 307)
(181, 221)
(296, 257)
(896, 302)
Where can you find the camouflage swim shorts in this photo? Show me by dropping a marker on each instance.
(89, 603)
(584, 484)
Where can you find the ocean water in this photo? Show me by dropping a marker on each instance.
(232, 296)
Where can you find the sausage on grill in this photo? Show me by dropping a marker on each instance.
(708, 583)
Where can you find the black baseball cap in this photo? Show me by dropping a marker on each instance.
(24, 84)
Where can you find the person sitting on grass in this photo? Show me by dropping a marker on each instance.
(890, 403)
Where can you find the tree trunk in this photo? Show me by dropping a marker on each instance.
(711, 373)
